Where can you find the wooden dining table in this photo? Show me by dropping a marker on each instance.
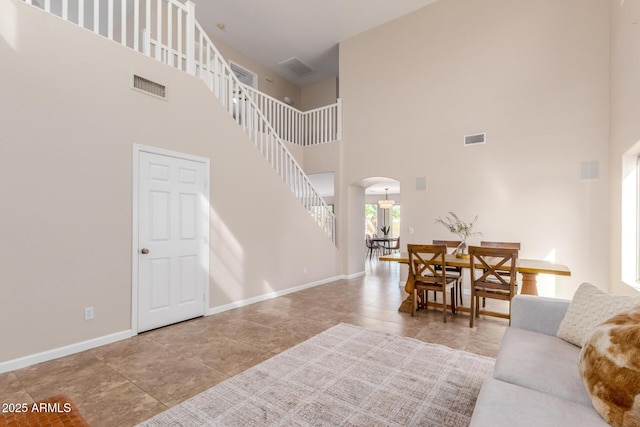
(529, 268)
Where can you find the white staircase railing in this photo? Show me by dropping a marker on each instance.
(168, 31)
(300, 127)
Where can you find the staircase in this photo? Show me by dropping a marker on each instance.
(168, 31)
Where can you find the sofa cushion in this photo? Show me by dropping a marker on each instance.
(610, 368)
(541, 362)
(591, 306)
(538, 314)
(500, 404)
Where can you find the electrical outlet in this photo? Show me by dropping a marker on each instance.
(88, 313)
(305, 270)
(410, 230)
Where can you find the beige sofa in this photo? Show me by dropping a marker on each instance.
(536, 381)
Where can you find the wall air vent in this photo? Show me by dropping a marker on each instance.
(297, 67)
(147, 86)
(475, 139)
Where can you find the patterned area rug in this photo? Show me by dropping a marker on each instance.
(345, 376)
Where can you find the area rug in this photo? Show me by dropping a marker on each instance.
(345, 376)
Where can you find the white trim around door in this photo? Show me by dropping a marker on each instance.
(136, 248)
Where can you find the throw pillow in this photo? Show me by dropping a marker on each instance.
(589, 307)
(610, 368)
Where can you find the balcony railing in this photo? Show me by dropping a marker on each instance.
(299, 127)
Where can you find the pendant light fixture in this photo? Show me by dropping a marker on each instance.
(386, 203)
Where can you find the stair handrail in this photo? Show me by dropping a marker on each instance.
(288, 167)
(221, 80)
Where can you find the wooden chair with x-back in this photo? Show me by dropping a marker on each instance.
(424, 261)
(507, 245)
(492, 283)
(453, 271)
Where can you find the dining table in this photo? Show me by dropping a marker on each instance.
(528, 268)
(385, 243)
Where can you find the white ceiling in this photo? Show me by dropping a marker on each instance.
(273, 31)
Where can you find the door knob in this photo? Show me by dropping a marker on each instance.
(145, 251)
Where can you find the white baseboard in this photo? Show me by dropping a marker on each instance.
(45, 356)
(271, 295)
(354, 275)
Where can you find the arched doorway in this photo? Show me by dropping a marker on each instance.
(382, 210)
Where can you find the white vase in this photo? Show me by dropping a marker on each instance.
(462, 251)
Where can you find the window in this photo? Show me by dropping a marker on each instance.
(630, 219)
(371, 219)
(245, 76)
(375, 218)
(638, 222)
(395, 221)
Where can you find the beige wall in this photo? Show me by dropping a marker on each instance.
(535, 78)
(322, 158)
(69, 121)
(534, 75)
(354, 200)
(320, 94)
(268, 81)
(625, 141)
(297, 151)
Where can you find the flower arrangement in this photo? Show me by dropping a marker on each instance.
(461, 228)
(385, 230)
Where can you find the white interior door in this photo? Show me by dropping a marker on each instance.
(173, 232)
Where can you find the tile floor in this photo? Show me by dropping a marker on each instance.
(124, 383)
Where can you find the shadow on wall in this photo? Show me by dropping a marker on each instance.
(228, 260)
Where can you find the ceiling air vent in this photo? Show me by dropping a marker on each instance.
(297, 67)
(478, 138)
(147, 86)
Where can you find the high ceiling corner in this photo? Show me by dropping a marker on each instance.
(275, 31)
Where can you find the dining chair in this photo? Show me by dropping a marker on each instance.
(508, 245)
(423, 260)
(492, 282)
(371, 245)
(454, 271)
(396, 246)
